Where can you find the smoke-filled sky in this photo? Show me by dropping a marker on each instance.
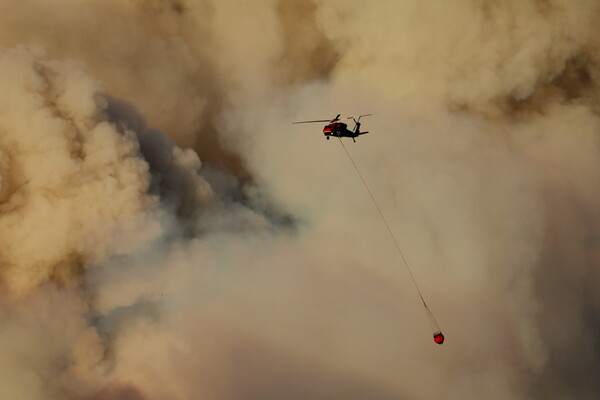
(166, 234)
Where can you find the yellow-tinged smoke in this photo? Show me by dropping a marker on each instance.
(73, 186)
(131, 270)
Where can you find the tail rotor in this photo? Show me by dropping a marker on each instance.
(357, 122)
(356, 126)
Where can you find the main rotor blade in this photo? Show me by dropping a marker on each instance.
(363, 115)
(309, 122)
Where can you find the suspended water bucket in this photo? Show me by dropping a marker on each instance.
(438, 337)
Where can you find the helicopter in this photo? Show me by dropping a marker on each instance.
(339, 129)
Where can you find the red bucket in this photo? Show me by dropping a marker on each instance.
(438, 337)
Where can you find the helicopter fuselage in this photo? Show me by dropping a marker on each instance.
(339, 129)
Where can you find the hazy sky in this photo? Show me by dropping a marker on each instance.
(166, 234)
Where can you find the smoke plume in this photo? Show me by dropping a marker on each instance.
(165, 233)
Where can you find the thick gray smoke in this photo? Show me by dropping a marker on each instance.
(165, 233)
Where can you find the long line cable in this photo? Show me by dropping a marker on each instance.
(430, 315)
